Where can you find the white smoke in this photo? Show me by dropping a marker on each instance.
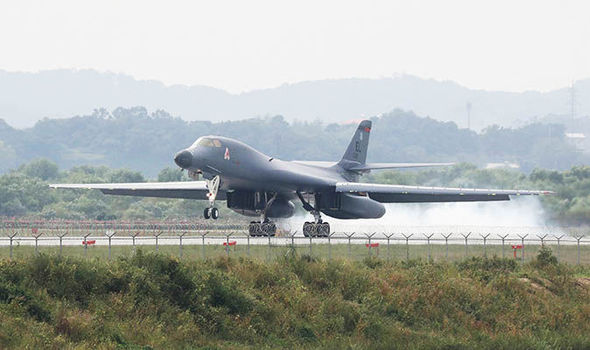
(517, 216)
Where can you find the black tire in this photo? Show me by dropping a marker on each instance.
(254, 229)
(266, 228)
(311, 228)
(207, 213)
(323, 229)
(306, 229)
(214, 213)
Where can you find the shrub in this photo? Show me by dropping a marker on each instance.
(485, 269)
(545, 257)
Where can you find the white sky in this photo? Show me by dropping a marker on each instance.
(243, 45)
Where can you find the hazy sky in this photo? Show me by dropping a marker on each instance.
(243, 45)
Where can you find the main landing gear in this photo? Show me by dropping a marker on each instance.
(264, 227)
(257, 229)
(317, 228)
(211, 212)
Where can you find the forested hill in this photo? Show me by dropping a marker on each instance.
(136, 139)
(28, 97)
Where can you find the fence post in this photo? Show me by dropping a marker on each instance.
(388, 246)
(269, 249)
(466, 236)
(522, 243)
(133, 235)
(291, 252)
(61, 236)
(248, 239)
(503, 239)
(447, 245)
(86, 244)
(36, 235)
(330, 246)
(558, 245)
(428, 242)
(407, 245)
(11, 239)
(542, 238)
(578, 238)
(110, 234)
(203, 244)
(485, 249)
(349, 236)
(180, 235)
(370, 236)
(310, 251)
(227, 243)
(157, 236)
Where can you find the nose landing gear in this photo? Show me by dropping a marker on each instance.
(211, 213)
(213, 186)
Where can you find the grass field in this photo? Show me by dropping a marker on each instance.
(395, 252)
(147, 300)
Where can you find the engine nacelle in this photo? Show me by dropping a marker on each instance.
(350, 206)
(252, 203)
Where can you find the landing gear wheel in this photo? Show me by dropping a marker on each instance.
(214, 213)
(306, 229)
(254, 229)
(310, 229)
(207, 213)
(323, 229)
(268, 228)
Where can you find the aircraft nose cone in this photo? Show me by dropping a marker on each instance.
(183, 159)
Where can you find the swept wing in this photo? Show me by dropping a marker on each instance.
(181, 189)
(378, 166)
(417, 194)
(371, 166)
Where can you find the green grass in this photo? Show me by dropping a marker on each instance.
(396, 252)
(152, 300)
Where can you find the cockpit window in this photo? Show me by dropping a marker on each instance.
(207, 142)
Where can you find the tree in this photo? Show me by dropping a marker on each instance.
(43, 169)
(170, 174)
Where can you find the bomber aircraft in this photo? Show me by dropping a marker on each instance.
(254, 184)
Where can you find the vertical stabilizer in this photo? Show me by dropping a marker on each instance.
(356, 153)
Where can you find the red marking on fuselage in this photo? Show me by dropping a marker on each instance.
(226, 155)
(367, 129)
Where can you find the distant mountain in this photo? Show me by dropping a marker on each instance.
(28, 97)
(136, 139)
